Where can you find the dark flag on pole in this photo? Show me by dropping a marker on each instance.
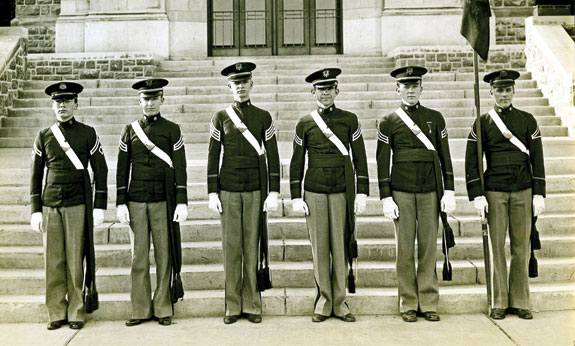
(475, 25)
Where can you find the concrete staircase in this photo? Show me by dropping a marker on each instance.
(196, 90)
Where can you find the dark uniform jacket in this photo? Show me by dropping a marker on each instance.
(413, 167)
(64, 183)
(239, 171)
(325, 173)
(508, 169)
(147, 183)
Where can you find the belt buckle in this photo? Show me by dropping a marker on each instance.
(415, 129)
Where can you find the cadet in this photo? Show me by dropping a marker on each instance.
(411, 195)
(63, 211)
(330, 199)
(239, 190)
(152, 160)
(514, 190)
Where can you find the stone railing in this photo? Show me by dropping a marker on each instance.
(550, 55)
(66, 66)
(459, 58)
(12, 65)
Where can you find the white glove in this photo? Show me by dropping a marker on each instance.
(480, 204)
(448, 202)
(538, 205)
(360, 202)
(98, 216)
(36, 221)
(299, 206)
(214, 203)
(390, 209)
(123, 214)
(271, 202)
(181, 213)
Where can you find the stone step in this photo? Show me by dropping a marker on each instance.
(292, 302)
(351, 66)
(284, 275)
(291, 250)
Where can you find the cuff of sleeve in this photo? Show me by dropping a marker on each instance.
(212, 187)
(363, 188)
(539, 188)
(274, 185)
(295, 191)
(121, 197)
(449, 184)
(384, 190)
(473, 191)
(181, 197)
(36, 204)
(100, 200)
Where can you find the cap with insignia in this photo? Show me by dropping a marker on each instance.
(408, 73)
(501, 78)
(63, 90)
(325, 76)
(150, 86)
(239, 71)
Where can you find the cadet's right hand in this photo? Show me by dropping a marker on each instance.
(123, 214)
(481, 205)
(299, 206)
(36, 221)
(390, 209)
(214, 203)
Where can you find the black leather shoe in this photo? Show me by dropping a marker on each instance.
(135, 321)
(409, 316)
(56, 324)
(318, 318)
(76, 324)
(525, 314)
(165, 321)
(254, 318)
(231, 319)
(431, 316)
(497, 314)
(347, 317)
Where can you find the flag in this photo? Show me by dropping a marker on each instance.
(475, 25)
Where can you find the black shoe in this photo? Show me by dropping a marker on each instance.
(497, 314)
(318, 318)
(431, 316)
(56, 324)
(76, 324)
(409, 316)
(525, 314)
(349, 317)
(254, 318)
(231, 319)
(165, 321)
(135, 321)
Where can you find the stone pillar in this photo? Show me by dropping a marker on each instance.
(188, 28)
(362, 27)
(39, 17)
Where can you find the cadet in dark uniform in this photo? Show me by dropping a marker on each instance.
(418, 137)
(514, 190)
(237, 191)
(330, 199)
(155, 201)
(62, 209)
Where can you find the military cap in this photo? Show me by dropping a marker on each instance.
(239, 71)
(325, 76)
(150, 86)
(63, 90)
(501, 78)
(408, 73)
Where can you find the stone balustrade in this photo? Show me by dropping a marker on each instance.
(13, 51)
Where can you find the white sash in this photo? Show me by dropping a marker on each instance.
(506, 133)
(66, 147)
(329, 133)
(244, 131)
(151, 146)
(414, 128)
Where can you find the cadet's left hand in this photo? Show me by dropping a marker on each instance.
(98, 215)
(538, 205)
(181, 213)
(360, 202)
(271, 202)
(448, 202)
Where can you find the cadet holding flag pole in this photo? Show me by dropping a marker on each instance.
(327, 135)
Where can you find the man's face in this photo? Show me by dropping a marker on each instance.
(409, 91)
(64, 109)
(503, 95)
(241, 88)
(151, 104)
(325, 94)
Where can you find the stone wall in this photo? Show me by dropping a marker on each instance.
(39, 17)
(459, 58)
(510, 20)
(91, 66)
(12, 72)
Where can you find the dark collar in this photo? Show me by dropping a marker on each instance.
(147, 120)
(67, 124)
(326, 111)
(241, 105)
(409, 108)
(502, 110)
